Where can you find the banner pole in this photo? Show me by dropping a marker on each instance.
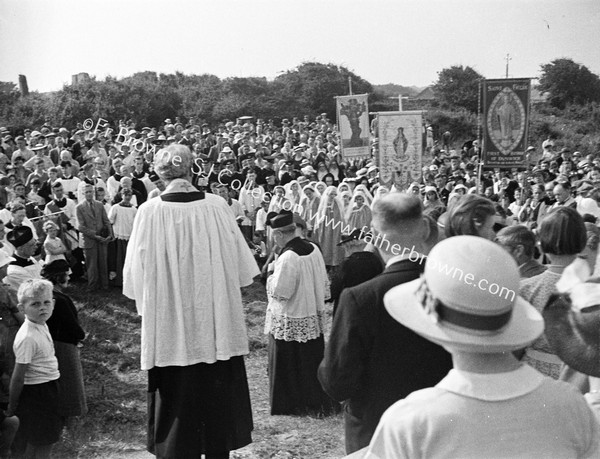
(479, 142)
(350, 86)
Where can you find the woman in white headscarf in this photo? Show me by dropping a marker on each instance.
(358, 214)
(344, 186)
(278, 201)
(365, 191)
(346, 197)
(320, 187)
(328, 227)
(310, 206)
(294, 194)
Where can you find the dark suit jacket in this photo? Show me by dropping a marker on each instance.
(373, 361)
(90, 225)
(354, 270)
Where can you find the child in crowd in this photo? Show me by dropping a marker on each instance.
(33, 386)
(260, 249)
(121, 216)
(53, 245)
(10, 321)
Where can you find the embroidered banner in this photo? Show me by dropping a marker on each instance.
(400, 148)
(353, 122)
(505, 122)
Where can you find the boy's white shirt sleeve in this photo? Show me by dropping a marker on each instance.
(24, 351)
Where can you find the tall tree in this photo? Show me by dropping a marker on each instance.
(457, 87)
(567, 82)
(311, 87)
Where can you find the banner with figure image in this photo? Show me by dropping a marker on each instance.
(400, 148)
(353, 122)
(505, 121)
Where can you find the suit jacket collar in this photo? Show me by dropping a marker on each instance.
(404, 266)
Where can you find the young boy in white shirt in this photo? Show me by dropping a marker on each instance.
(33, 393)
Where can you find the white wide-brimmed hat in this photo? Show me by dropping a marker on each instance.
(467, 299)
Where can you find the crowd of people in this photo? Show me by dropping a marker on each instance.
(137, 208)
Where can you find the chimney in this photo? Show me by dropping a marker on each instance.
(23, 85)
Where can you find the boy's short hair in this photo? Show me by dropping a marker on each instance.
(33, 288)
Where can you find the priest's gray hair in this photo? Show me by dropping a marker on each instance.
(174, 161)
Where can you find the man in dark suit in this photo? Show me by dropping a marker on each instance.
(95, 232)
(371, 361)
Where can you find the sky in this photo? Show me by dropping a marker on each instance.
(405, 42)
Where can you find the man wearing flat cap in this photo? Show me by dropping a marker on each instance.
(296, 293)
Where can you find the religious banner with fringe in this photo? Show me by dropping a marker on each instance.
(400, 154)
(353, 122)
(505, 122)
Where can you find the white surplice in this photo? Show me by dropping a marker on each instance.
(186, 262)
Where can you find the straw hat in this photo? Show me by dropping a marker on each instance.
(573, 319)
(467, 299)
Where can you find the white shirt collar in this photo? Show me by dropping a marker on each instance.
(492, 386)
(398, 258)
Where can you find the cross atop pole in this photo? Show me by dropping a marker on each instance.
(507, 59)
(400, 97)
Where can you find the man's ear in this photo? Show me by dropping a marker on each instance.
(519, 250)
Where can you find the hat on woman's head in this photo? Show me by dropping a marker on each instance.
(467, 299)
(573, 319)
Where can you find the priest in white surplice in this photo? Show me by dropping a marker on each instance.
(185, 264)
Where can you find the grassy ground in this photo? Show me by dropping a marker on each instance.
(115, 424)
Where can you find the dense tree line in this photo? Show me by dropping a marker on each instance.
(148, 98)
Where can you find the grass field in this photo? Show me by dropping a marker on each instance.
(115, 424)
